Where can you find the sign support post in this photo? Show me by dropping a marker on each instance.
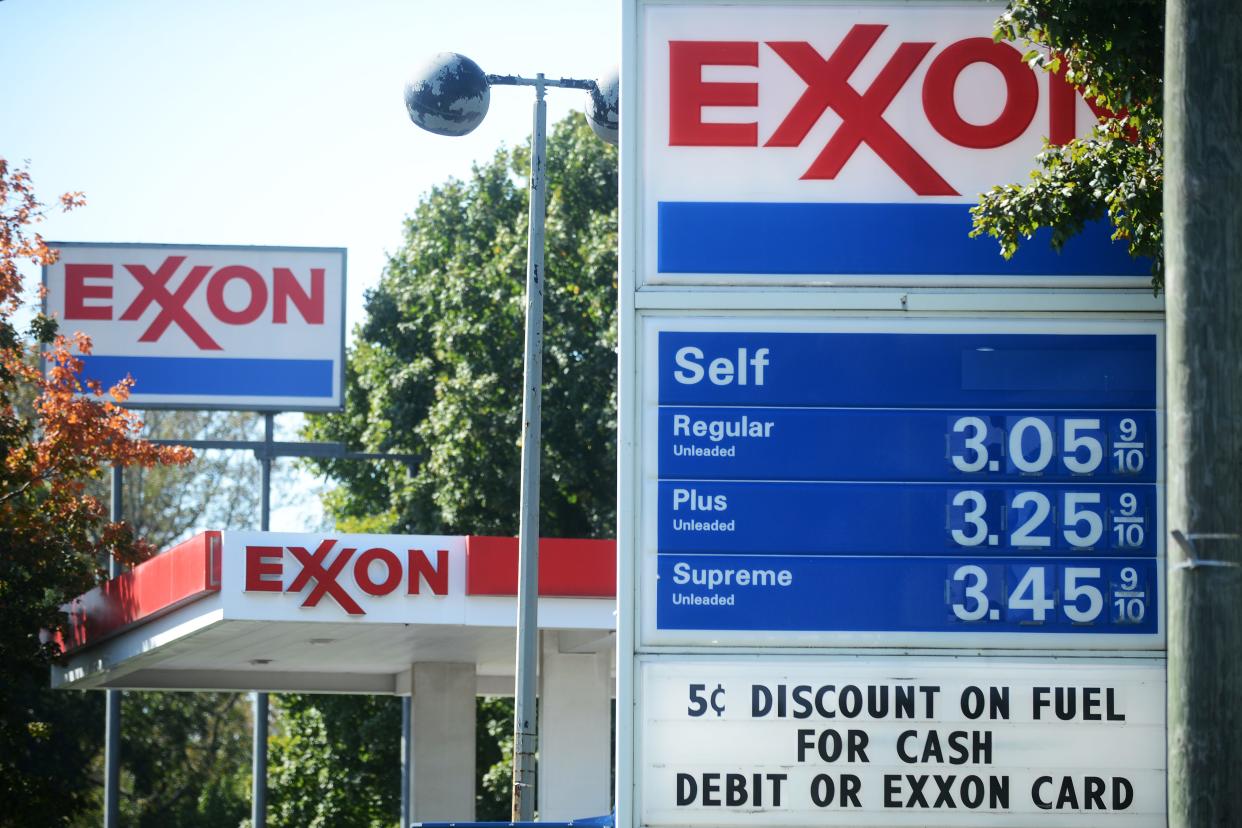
(112, 698)
(258, 797)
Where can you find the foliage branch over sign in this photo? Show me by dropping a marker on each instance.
(55, 435)
(74, 428)
(1114, 54)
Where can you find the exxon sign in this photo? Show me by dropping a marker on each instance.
(260, 328)
(846, 144)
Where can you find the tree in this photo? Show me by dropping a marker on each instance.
(336, 763)
(55, 436)
(436, 371)
(1114, 53)
(436, 368)
(185, 761)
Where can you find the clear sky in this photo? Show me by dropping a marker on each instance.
(267, 121)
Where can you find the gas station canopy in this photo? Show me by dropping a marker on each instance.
(330, 613)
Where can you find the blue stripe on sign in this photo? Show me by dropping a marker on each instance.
(215, 377)
(868, 239)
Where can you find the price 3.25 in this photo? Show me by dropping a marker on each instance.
(1051, 518)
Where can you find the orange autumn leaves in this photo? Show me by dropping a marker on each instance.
(56, 433)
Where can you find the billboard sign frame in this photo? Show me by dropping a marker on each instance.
(166, 288)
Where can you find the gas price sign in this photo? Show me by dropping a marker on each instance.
(902, 742)
(842, 481)
(907, 493)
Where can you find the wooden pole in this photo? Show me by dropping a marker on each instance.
(1203, 260)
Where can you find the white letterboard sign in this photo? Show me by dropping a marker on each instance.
(902, 742)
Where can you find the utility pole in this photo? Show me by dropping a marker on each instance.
(112, 698)
(1203, 264)
(258, 755)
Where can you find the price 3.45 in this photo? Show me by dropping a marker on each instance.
(1115, 594)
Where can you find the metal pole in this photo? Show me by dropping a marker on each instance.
(525, 726)
(112, 698)
(258, 768)
(1203, 260)
(407, 749)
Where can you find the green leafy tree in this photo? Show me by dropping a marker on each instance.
(185, 760)
(436, 371)
(436, 368)
(336, 762)
(1114, 53)
(494, 759)
(56, 434)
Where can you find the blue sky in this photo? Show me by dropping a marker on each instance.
(267, 121)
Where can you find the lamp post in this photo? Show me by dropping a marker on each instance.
(450, 96)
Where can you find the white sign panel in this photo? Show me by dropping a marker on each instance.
(208, 327)
(384, 579)
(390, 579)
(846, 143)
(901, 742)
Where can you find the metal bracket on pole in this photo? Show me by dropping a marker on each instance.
(281, 448)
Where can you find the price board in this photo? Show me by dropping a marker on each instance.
(902, 482)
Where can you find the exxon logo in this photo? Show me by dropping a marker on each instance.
(375, 572)
(275, 294)
(827, 78)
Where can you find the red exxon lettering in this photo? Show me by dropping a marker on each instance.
(392, 571)
(420, 569)
(254, 284)
(689, 93)
(1021, 93)
(264, 568)
(286, 289)
(171, 303)
(78, 290)
(862, 114)
(376, 571)
(325, 576)
(88, 289)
